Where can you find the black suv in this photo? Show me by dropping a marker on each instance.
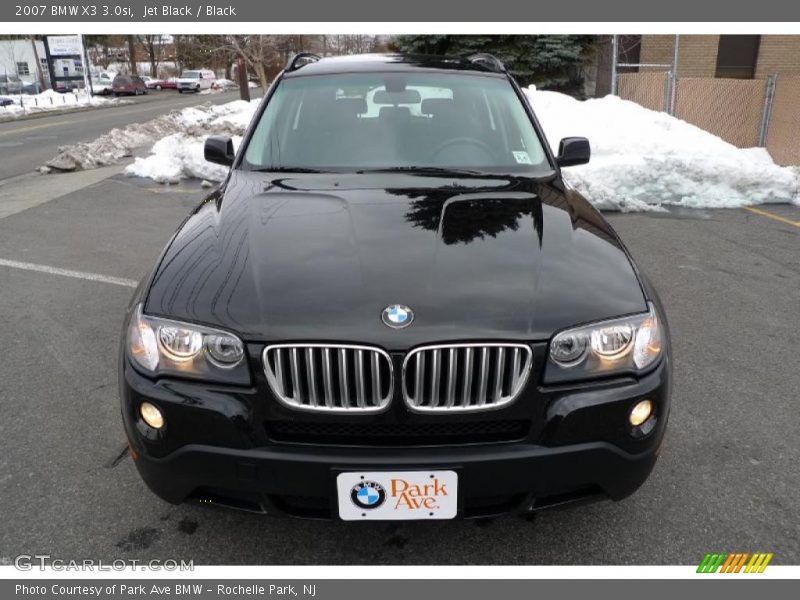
(394, 308)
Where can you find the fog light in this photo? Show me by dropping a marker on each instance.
(641, 412)
(151, 415)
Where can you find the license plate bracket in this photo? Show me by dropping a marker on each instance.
(397, 495)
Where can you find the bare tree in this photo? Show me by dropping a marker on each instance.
(154, 48)
(257, 51)
(132, 55)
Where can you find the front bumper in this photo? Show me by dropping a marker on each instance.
(217, 449)
(496, 480)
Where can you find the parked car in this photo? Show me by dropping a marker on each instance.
(128, 85)
(10, 84)
(6, 101)
(195, 80)
(64, 86)
(385, 313)
(102, 86)
(31, 87)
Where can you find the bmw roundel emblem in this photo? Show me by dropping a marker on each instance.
(368, 494)
(397, 316)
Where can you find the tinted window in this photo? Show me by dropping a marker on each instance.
(386, 120)
(190, 75)
(122, 79)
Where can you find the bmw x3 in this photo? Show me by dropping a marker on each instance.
(393, 307)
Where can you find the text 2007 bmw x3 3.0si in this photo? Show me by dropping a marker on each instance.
(394, 308)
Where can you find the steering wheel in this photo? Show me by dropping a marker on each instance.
(463, 141)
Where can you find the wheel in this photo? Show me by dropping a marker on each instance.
(158, 88)
(180, 91)
(116, 94)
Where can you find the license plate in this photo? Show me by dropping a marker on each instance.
(397, 495)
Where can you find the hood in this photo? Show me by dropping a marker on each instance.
(318, 257)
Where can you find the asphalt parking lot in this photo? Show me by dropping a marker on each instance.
(727, 480)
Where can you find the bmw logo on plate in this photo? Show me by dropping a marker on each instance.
(397, 316)
(368, 494)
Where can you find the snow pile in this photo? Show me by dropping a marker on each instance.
(194, 123)
(176, 157)
(642, 159)
(223, 84)
(180, 154)
(25, 104)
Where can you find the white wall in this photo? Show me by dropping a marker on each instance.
(16, 51)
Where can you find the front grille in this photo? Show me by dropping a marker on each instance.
(397, 434)
(465, 377)
(330, 377)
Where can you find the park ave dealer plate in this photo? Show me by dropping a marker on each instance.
(397, 495)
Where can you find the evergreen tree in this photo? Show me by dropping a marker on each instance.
(553, 62)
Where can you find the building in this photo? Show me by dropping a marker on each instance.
(17, 57)
(722, 56)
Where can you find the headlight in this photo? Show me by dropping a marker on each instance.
(625, 345)
(165, 347)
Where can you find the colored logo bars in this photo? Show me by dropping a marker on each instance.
(735, 563)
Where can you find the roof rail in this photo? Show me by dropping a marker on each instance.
(300, 59)
(488, 61)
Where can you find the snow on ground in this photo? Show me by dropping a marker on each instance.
(642, 159)
(193, 124)
(177, 157)
(180, 154)
(49, 100)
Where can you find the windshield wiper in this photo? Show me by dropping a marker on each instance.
(423, 170)
(287, 170)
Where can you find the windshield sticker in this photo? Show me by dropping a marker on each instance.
(522, 157)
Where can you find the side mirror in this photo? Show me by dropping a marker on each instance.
(573, 151)
(219, 149)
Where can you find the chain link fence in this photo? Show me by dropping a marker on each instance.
(743, 112)
(783, 127)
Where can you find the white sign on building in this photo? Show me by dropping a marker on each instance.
(64, 45)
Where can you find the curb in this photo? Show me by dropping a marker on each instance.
(57, 111)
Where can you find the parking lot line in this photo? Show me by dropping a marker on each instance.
(14, 264)
(766, 213)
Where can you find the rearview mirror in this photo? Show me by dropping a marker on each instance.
(219, 149)
(573, 151)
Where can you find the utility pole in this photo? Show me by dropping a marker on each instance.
(87, 82)
(39, 71)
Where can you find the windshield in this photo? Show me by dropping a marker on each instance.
(365, 121)
(190, 75)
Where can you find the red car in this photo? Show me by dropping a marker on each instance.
(162, 84)
(129, 85)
